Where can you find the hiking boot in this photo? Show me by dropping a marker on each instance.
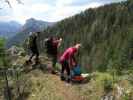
(53, 72)
(68, 79)
(62, 78)
(28, 62)
(37, 62)
(34, 67)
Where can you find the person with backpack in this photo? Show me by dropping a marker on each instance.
(33, 47)
(52, 44)
(68, 61)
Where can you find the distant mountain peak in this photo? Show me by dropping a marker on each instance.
(15, 22)
(31, 25)
(35, 20)
(30, 20)
(9, 29)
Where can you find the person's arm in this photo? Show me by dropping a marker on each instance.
(45, 40)
(58, 42)
(36, 41)
(69, 62)
(74, 62)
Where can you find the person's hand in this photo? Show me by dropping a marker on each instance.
(60, 39)
(74, 64)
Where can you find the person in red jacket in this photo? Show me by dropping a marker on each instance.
(68, 61)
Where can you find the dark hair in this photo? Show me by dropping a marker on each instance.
(38, 33)
(51, 38)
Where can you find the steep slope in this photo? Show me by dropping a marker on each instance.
(38, 83)
(51, 89)
(106, 35)
(31, 25)
(9, 29)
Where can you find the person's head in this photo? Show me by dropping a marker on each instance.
(37, 33)
(60, 39)
(54, 38)
(77, 46)
(30, 33)
(51, 38)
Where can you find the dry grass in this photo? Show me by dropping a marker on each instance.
(49, 87)
(45, 86)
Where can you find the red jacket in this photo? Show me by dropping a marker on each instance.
(68, 55)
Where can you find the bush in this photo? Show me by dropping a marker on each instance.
(106, 80)
(108, 85)
(128, 95)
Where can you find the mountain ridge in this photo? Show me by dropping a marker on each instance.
(9, 29)
(31, 25)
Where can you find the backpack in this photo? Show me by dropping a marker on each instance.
(76, 71)
(49, 46)
(30, 41)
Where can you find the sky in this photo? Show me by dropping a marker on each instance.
(47, 10)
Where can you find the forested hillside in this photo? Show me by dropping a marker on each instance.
(106, 34)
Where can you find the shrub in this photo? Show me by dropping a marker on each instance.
(108, 85)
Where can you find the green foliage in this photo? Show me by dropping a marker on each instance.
(105, 33)
(108, 85)
(128, 95)
(1, 42)
(106, 80)
(4, 57)
(1, 50)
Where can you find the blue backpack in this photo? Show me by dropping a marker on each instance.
(76, 71)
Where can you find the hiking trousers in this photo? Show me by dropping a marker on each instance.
(65, 67)
(34, 52)
(53, 58)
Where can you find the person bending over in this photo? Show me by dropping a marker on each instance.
(68, 61)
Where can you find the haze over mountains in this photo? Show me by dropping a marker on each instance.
(31, 25)
(9, 29)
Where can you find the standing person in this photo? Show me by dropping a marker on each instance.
(68, 61)
(33, 47)
(52, 45)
